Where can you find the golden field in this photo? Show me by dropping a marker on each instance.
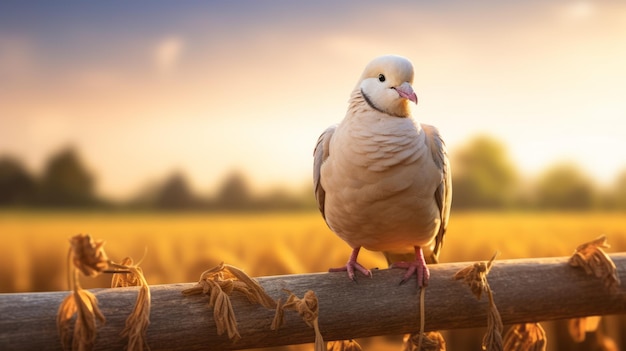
(178, 247)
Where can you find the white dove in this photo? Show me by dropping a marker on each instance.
(382, 180)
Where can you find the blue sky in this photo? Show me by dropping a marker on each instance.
(147, 88)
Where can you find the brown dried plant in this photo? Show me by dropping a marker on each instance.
(430, 341)
(344, 345)
(475, 276)
(579, 327)
(308, 308)
(87, 256)
(85, 305)
(221, 281)
(137, 322)
(124, 277)
(525, 337)
(596, 262)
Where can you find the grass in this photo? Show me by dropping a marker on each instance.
(178, 247)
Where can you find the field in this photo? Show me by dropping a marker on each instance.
(178, 247)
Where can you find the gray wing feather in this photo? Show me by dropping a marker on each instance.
(443, 194)
(319, 156)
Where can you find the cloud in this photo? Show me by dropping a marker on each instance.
(168, 53)
(579, 10)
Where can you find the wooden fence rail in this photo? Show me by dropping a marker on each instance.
(525, 290)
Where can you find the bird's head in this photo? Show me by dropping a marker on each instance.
(386, 85)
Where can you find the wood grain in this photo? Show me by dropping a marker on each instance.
(525, 290)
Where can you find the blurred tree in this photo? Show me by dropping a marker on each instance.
(66, 182)
(565, 186)
(618, 193)
(234, 193)
(284, 200)
(175, 194)
(17, 187)
(483, 176)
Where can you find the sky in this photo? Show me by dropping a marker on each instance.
(148, 88)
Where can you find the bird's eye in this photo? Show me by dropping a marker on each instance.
(381, 77)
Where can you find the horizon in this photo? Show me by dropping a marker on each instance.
(306, 185)
(143, 90)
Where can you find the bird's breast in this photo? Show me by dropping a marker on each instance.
(380, 181)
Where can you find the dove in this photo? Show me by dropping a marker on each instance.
(382, 180)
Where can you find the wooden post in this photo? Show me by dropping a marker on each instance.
(525, 290)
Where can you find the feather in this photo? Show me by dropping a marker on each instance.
(382, 180)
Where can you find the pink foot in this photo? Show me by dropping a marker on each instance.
(417, 267)
(351, 265)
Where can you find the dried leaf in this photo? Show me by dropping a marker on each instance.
(279, 316)
(137, 322)
(211, 282)
(84, 305)
(431, 341)
(253, 290)
(590, 246)
(319, 345)
(472, 276)
(579, 327)
(596, 262)
(475, 276)
(66, 312)
(492, 341)
(308, 308)
(221, 281)
(88, 255)
(344, 345)
(122, 280)
(223, 314)
(525, 337)
(89, 258)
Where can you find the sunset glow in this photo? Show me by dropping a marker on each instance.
(143, 90)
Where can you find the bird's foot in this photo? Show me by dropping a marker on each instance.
(417, 267)
(350, 267)
(353, 265)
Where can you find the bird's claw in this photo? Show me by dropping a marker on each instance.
(350, 267)
(416, 267)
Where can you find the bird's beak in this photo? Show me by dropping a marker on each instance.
(405, 90)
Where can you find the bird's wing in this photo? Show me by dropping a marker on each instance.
(443, 193)
(319, 156)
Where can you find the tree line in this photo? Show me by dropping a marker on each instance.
(66, 183)
(483, 177)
